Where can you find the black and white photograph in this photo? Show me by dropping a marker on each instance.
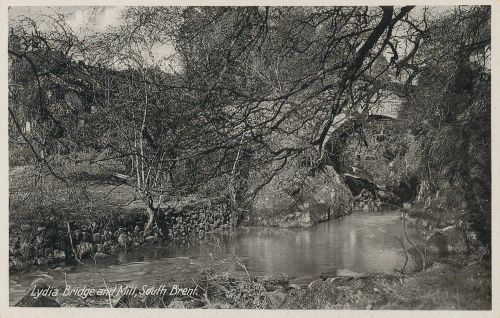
(249, 157)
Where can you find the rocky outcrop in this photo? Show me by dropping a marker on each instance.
(366, 201)
(297, 219)
(456, 239)
(293, 203)
(368, 196)
(388, 197)
(449, 240)
(274, 282)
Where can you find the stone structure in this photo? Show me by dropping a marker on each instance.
(49, 243)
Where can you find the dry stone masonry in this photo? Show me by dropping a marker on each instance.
(50, 243)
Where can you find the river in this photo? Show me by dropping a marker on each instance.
(360, 242)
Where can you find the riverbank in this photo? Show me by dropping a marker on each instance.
(447, 285)
(442, 286)
(53, 238)
(226, 280)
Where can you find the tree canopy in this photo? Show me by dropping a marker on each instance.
(244, 91)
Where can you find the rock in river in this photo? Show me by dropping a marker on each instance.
(303, 201)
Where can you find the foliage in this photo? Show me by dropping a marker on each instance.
(449, 114)
(248, 92)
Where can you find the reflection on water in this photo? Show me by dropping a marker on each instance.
(358, 242)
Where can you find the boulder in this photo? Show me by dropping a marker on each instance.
(275, 282)
(451, 239)
(27, 250)
(348, 273)
(140, 237)
(45, 292)
(16, 264)
(114, 247)
(123, 240)
(41, 261)
(178, 303)
(388, 197)
(100, 255)
(295, 286)
(14, 243)
(76, 236)
(315, 283)
(86, 237)
(96, 237)
(359, 183)
(43, 281)
(331, 280)
(295, 200)
(41, 301)
(365, 201)
(107, 235)
(83, 250)
(59, 255)
(275, 298)
(26, 227)
(369, 196)
(436, 244)
(272, 201)
(456, 239)
(293, 220)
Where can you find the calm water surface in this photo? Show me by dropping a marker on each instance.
(359, 242)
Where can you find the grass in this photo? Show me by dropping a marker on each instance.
(442, 287)
(439, 287)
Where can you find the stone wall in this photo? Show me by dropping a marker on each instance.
(46, 243)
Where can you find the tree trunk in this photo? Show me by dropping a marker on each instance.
(151, 215)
